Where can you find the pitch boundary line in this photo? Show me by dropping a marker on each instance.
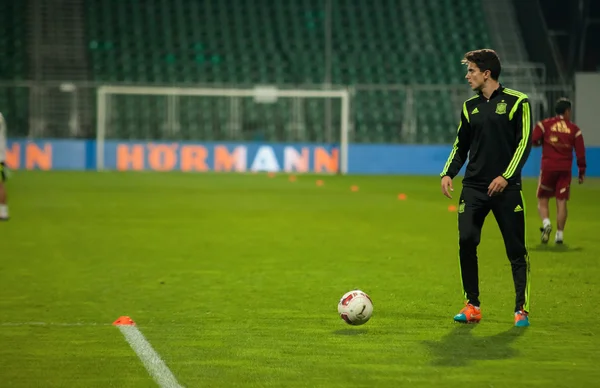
(152, 361)
(66, 324)
(155, 366)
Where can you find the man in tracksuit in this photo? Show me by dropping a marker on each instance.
(495, 133)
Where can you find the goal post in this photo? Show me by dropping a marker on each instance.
(164, 113)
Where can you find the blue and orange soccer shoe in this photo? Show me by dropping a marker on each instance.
(469, 314)
(521, 318)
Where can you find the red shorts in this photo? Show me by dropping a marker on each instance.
(554, 184)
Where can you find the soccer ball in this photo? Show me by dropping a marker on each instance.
(355, 307)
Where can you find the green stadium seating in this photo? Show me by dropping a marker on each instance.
(247, 42)
(14, 102)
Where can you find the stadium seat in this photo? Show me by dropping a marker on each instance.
(14, 101)
(244, 42)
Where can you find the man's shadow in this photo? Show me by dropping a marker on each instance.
(460, 347)
(564, 248)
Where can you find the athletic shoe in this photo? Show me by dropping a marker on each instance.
(546, 233)
(469, 314)
(521, 318)
(558, 240)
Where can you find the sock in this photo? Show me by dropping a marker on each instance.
(559, 235)
(520, 309)
(3, 211)
(546, 222)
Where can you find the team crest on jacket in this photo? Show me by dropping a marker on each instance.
(501, 108)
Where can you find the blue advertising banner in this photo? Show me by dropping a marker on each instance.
(394, 159)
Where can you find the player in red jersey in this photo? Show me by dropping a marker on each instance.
(558, 136)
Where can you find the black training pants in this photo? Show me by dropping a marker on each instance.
(509, 210)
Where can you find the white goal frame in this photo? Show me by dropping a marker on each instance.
(104, 91)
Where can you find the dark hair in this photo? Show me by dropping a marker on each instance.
(562, 105)
(485, 59)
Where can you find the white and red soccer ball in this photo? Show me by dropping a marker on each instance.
(355, 307)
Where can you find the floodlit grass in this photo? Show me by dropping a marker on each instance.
(235, 280)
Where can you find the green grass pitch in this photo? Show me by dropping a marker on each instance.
(234, 280)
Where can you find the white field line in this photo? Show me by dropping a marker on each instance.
(151, 360)
(53, 324)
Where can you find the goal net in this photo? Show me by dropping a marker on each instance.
(258, 115)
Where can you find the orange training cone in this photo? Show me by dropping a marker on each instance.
(124, 321)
